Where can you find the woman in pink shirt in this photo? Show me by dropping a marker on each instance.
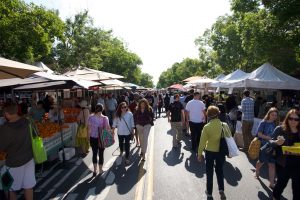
(96, 123)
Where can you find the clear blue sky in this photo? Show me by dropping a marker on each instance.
(161, 32)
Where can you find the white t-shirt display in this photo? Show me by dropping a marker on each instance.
(196, 109)
(121, 125)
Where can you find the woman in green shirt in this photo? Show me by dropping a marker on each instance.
(210, 142)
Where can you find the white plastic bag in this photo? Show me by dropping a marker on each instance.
(232, 147)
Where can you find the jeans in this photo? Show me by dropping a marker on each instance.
(283, 176)
(196, 129)
(96, 150)
(125, 138)
(211, 158)
(110, 115)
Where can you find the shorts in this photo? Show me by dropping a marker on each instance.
(24, 176)
(265, 157)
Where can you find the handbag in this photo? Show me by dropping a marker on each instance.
(6, 180)
(39, 152)
(223, 144)
(132, 135)
(82, 131)
(105, 138)
(254, 148)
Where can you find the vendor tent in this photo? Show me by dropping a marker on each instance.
(177, 87)
(191, 78)
(13, 69)
(220, 77)
(91, 74)
(43, 67)
(267, 77)
(230, 78)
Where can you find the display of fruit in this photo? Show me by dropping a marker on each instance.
(71, 114)
(48, 129)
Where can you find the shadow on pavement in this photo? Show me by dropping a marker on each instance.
(232, 174)
(194, 166)
(262, 196)
(174, 157)
(126, 177)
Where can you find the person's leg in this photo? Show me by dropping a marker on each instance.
(199, 131)
(193, 136)
(12, 195)
(295, 183)
(271, 174)
(246, 129)
(127, 146)
(283, 176)
(257, 168)
(137, 138)
(146, 136)
(28, 193)
(94, 145)
(140, 131)
(209, 163)
(179, 131)
(220, 159)
(121, 144)
(101, 159)
(174, 133)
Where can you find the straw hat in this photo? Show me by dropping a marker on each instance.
(83, 104)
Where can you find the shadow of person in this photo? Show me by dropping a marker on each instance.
(126, 176)
(194, 166)
(261, 195)
(170, 132)
(232, 174)
(174, 157)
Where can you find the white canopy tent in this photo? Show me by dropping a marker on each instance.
(44, 68)
(267, 77)
(226, 81)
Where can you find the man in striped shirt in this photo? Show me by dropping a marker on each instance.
(247, 119)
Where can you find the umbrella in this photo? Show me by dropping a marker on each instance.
(201, 80)
(14, 69)
(177, 87)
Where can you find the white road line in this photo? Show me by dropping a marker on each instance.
(72, 196)
(48, 180)
(91, 194)
(57, 197)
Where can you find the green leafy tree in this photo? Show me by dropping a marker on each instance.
(27, 31)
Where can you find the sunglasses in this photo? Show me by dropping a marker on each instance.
(124, 107)
(294, 119)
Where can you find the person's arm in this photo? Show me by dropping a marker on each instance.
(260, 131)
(168, 116)
(275, 141)
(182, 116)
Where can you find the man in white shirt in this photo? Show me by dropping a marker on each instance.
(195, 118)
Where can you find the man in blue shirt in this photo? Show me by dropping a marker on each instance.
(247, 119)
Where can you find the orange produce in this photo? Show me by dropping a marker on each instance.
(2, 155)
(71, 114)
(48, 129)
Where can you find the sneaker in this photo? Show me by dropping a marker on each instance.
(222, 195)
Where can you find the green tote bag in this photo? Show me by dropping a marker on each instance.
(39, 152)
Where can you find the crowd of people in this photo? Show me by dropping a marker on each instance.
(132, 115)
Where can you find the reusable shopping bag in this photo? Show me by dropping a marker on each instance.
(39, 152)
(254, 148)
(105, 138)
(232, 147)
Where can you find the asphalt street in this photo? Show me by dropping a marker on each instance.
(167, 173)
